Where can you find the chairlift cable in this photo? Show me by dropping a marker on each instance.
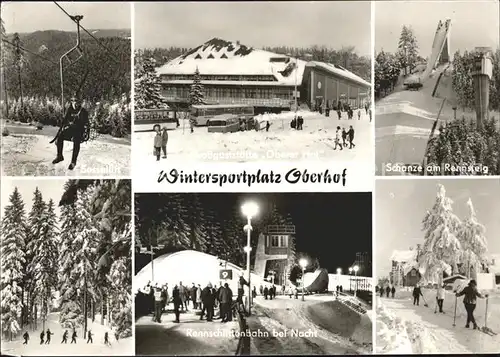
(84, 29)
(26, 50)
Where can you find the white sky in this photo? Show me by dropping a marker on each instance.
(39, 16)
(473, 23)
(255, 24)
(50, 189)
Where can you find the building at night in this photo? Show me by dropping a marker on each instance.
(364, 262)
(232, 73)
(273, 253)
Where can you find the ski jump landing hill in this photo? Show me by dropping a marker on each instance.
(404, 119)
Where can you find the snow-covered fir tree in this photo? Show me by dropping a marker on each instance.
(71, 310)
(147, 86)
(407, 49)
(441, 249)
(196, 91)
(45, 260)
(36, 224)
(85, 244)
(473, 241)
(195, 219)
(120, 286)
(12, 261)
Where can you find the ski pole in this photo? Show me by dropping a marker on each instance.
(455, 313)
(486, 315)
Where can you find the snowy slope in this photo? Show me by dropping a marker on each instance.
(339, 330)
(30, 155)
(122, 347)
(405, 328)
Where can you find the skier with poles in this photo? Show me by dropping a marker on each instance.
(65, 337)
(470, 298)
(26, 337)
(49, 333)
(416, 294)
(73, 337)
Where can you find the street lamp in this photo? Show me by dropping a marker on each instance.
(249, 210)
(303, 264)
(356, 268)
(350, 278)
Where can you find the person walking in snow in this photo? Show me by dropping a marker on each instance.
(344, 137)
(89, 335)
(73, 337)
(192, 292)
(106, 339)
(339, 113)
(208, 299)
(158, 304)
(182, 294)
(42, 337)
(393, 291)
(417, 292)
(266, 292)
(261, 289)
(226, 300)
(338, 137)
(65, 337)
(440, 297)
(370, 114)
(47, 342)
(26, 337)
(471, 294)
(157, 143)
(198, 297)
(164, 142)
(177, 302)
(350, 135)
(387, 290)
(359, 114)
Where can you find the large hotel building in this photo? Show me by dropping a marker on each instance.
(232, 73)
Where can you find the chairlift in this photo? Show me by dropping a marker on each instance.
(70, 57)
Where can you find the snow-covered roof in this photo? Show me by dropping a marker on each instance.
(220, 57)
(495, 267)
(403, 256)
(339, 71)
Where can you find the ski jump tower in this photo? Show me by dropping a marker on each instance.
(273, 253)
(440, 53)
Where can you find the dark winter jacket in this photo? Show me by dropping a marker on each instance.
(471, 295)
(176, 295)
(417, 291)
(225, 295)
(164, 137)
(344, 134)
(350, 133)
(207, 296)
(193, 293)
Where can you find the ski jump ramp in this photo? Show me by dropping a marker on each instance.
(317, 281)
(404, 119)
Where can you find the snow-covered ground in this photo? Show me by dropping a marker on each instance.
(123, 347)
(282, 143)
(332, 327)
(32, 155)
(190, 337)
(403, 328)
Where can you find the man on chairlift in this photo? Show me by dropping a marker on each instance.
(76, 128)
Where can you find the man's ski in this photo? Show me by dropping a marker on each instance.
(487, 331)
(490, 331)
